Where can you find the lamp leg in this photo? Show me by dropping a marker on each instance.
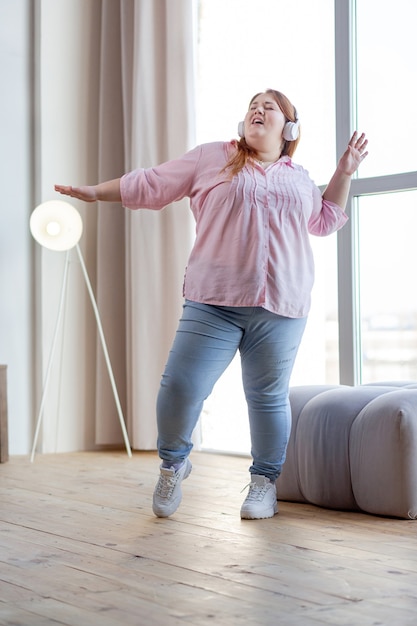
(106, 354)
(51, 354)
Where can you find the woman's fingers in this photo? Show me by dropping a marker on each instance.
(81, 193)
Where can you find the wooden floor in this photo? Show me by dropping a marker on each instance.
(79, 546)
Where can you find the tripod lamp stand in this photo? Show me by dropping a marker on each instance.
(57, 225)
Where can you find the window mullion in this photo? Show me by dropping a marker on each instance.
(349, 346)
(384, 184)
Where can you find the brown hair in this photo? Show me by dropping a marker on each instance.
(245, 152)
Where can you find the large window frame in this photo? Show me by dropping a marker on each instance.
(348, 300)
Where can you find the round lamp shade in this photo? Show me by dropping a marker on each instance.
(56, 225)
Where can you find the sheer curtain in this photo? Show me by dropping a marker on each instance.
(158, 244)
(145, 117)
(133, 106)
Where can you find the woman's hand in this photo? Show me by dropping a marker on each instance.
(354, 154)
(108, 191)
(337, 190)
(86, 193)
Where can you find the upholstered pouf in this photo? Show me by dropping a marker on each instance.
(353, 448)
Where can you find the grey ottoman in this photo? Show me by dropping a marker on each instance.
(353, 448)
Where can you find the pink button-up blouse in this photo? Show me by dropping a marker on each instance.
(252, 244)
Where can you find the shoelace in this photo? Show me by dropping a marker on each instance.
(255, 491)
(166, 486)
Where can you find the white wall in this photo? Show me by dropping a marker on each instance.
(64, 156)
(43, 118)
(15, 242)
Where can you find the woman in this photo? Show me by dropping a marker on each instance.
(247, 284)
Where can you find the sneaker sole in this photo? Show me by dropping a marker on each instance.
(266, 515)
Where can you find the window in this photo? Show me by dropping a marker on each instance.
(289, 46)
(345, 64)
(387, 83)
(387, 294)
(292, 51)
(374, 313)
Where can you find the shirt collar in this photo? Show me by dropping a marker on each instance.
(287, 160)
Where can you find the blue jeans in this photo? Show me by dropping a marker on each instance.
(206, 341)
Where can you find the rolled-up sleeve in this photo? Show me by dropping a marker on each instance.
(156, 187)
(327, 217)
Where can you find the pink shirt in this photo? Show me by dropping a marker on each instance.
(252, 243)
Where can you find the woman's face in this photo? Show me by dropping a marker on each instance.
(264, 121)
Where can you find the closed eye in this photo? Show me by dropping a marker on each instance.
(271, 106)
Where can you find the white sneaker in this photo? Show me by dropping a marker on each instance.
(167, 495)
(261, 501)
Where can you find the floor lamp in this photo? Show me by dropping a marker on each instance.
(57, 225)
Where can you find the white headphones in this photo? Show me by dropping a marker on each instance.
(290, 132)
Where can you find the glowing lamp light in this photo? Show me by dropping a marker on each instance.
(56, 225)
(53, 229)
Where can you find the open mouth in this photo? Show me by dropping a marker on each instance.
(257, 120)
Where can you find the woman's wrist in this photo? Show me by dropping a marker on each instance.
(108, 191)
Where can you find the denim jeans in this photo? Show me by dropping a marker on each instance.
(206, 341)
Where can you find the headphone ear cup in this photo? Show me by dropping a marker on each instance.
(241, 129)
(291, 131)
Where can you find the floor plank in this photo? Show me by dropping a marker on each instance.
(78, 542)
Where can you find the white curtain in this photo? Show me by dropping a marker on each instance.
(158, 244)
(133, 100)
